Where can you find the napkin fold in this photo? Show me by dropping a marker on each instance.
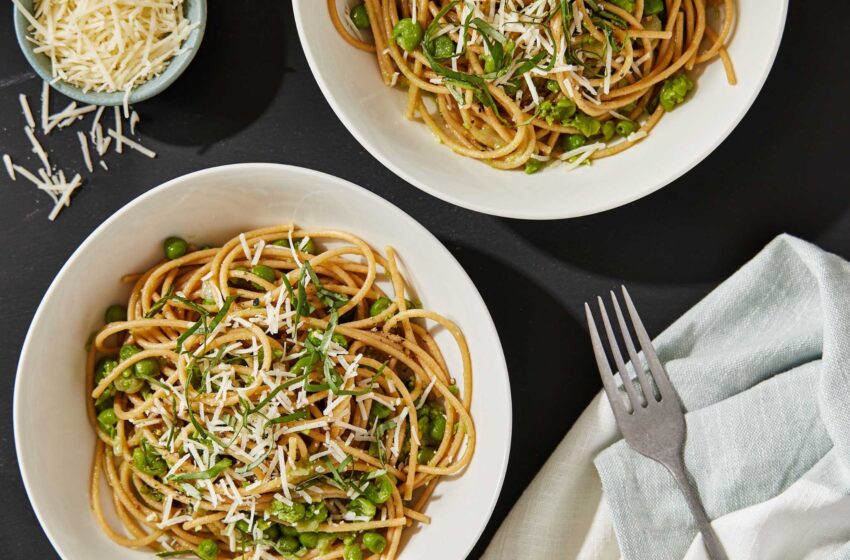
(762, 366)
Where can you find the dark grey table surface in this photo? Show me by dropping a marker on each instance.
(784, 169)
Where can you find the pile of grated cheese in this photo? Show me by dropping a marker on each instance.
(52, 180)
(107, 45)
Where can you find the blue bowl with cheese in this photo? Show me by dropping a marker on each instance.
(194, 12)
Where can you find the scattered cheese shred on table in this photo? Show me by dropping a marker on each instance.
(25, 107)
(107, 45)
(48, 178)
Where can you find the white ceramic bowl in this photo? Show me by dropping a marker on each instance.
(373, 113)
(53, 438)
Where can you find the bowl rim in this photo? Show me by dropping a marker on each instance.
(546, 214)
(175, 183)
(173, 70)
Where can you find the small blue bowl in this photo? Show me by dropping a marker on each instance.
(195, 11)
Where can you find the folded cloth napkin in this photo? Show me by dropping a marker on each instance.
(762, 366)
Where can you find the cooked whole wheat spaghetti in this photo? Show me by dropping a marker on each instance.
(528, 83)
(267, 399)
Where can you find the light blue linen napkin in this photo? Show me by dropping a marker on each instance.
(762, 366)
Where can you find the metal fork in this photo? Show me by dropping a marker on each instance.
(655, 424)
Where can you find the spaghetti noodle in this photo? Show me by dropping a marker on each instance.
(267, 399)
(526, 83)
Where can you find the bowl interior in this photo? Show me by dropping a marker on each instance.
(194, 10)
(373, 113)
(211, 206)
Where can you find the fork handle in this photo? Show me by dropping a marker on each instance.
(709, 537)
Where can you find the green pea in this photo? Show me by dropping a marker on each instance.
(454, 390)
(379, 411)
(128, 351)
(288, 513)
(277, 353)
(362, 507)
(352, 552)
(148, 461)
(309, 540)
(572, 141)
(127, 383)
(287, 544)
(339, 339)
(379, 306)
(674, 90)
(408, 34)
(115, 313)
(107, 420)
(242, 526)
(608, 129)
(107, 417)
(360, 16)
(424, 423)
(175, 247)
(207, 549)
(425, 455)
(147, 367)
(653, 7)
(559, 111)
(272, 532)
(374, 542)
(564, 109)
(315, 514)
(438, 429)
(552, 85)
(103, 368)
(624, 128)
(533, 166)
(379, 490)
(443, 47)
(288, 531)
(264, 272)
(585, 124)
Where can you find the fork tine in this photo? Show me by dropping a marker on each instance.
(608, 383)
(618, 358)
(645, 384)
(659, 374)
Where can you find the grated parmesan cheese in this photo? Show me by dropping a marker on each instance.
(10, 169)
(25, 107)
(120, 139)
(107, 45)
(84, 146)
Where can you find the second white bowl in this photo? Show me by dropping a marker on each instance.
(373, 113)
